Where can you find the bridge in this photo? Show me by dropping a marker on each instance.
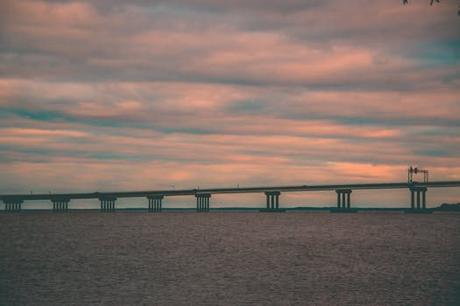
(60, 202)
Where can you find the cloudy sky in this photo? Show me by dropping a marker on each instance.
(110, 95)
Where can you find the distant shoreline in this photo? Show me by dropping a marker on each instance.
(442, 208)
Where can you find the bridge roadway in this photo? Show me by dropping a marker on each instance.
(183, 192)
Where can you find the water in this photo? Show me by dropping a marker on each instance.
(226, 258)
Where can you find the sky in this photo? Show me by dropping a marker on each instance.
(145, 95)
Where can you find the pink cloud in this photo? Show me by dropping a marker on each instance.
(137, 97)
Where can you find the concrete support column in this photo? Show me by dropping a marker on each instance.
(412, 199)
(107, 203)
(155, 202)
(202, 202)
(418, 197)
(424, 199)
(343, 198)
(273, 200)
(13, 204)
(60, 204)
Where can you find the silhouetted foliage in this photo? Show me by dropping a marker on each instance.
(449, 207)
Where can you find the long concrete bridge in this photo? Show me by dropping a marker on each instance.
(60, 202)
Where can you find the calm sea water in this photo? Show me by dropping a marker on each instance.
(181, 258)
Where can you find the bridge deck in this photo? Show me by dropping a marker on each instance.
(134, 194)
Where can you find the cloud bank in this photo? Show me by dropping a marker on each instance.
(107, 95)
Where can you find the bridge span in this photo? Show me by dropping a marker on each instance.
(60, 201)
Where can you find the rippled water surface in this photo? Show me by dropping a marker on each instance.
(185, 258)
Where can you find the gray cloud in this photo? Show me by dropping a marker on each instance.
(239, 88)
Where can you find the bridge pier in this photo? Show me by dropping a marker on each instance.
(418, 200)
(13, 204)
(60, 204)
(273, 199)
(107, 203)
(202, 202)
(155, 202)
(343, 198)
(343, 201)
(273, 202)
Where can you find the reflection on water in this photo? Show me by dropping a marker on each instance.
(229, 259)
